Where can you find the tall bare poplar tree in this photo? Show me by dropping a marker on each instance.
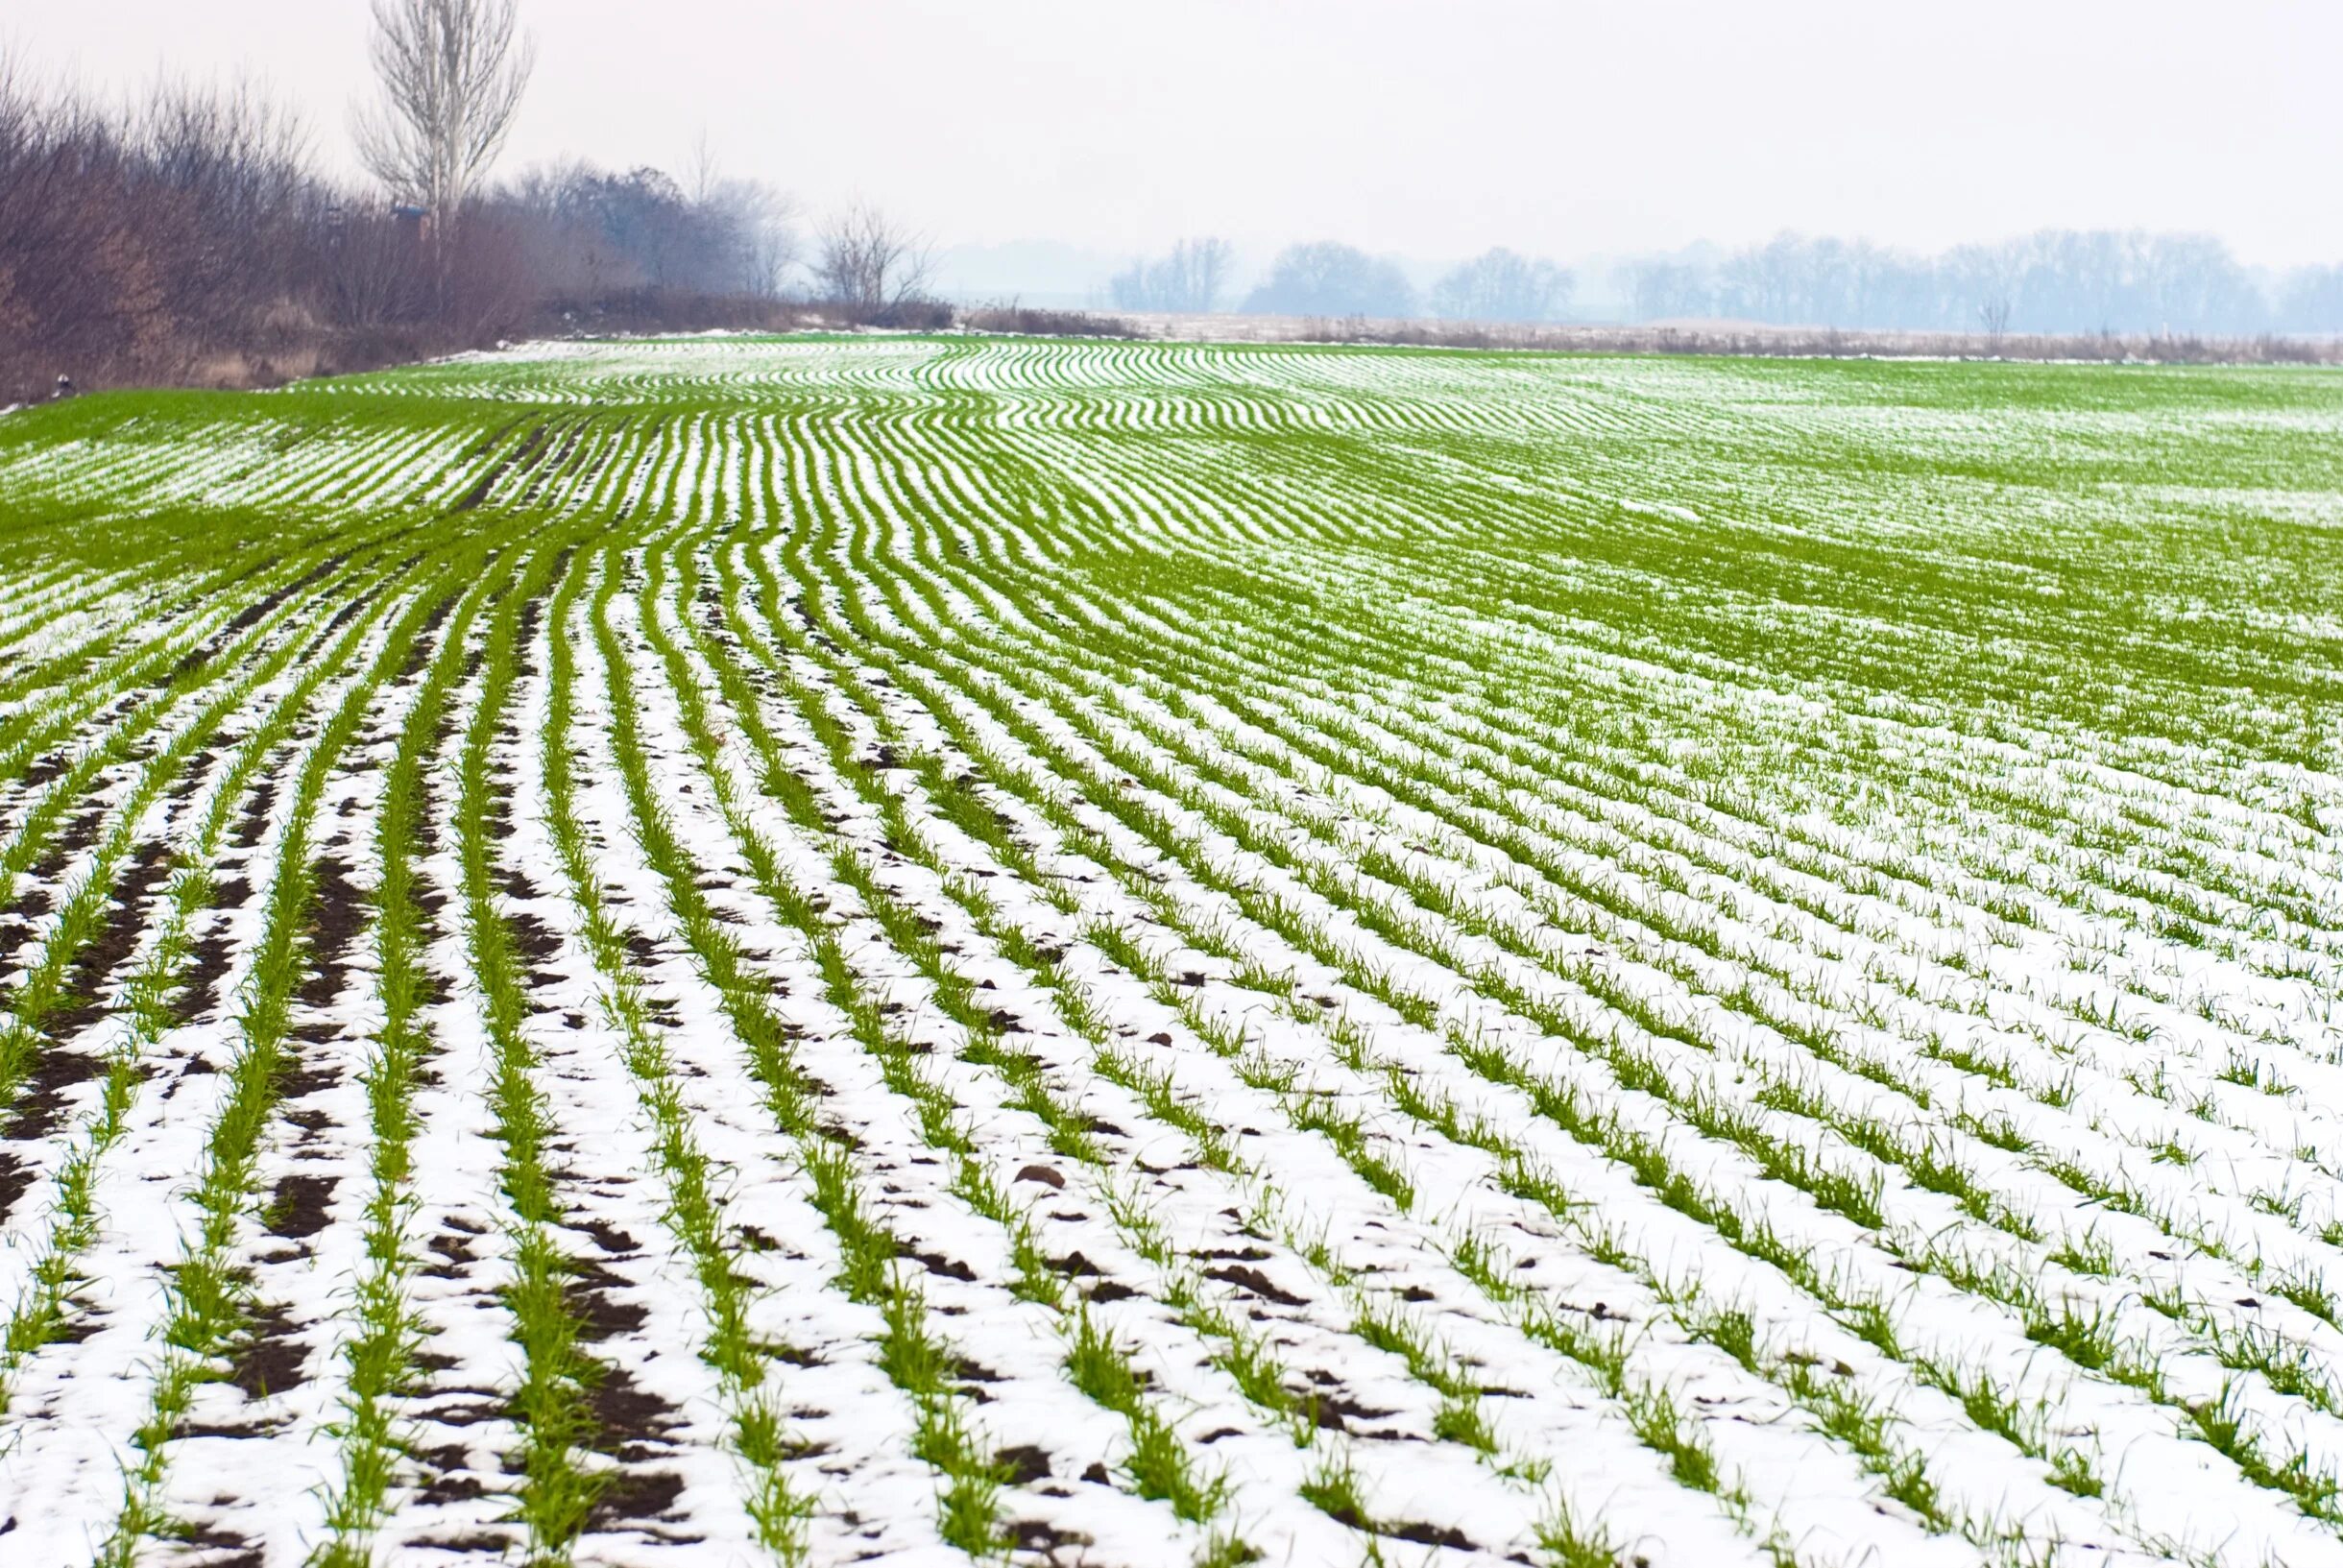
(452, 73)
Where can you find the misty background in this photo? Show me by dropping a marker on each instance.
(280, 189)
(1667, 155)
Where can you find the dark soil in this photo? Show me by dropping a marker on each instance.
(638, 1495)
(598, 1312)
(478, 495)
(15, 1176)
(270, 1360)
(628, 1419)
(208, 967)
(1255, 1283)
(42, 1100)
(1023, 1466)
(298, 1207)
(337, 917)
(1334, 1413)
(255, 819)
(94, 967)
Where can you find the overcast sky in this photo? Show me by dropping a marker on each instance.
(1422, 127)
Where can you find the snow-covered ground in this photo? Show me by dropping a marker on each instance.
(889, 950)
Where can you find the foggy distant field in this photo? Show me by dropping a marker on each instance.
(903, 949)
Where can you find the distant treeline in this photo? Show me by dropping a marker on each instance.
(189, 236)
(1759, 340)
(1328, 279)
(2059, 281)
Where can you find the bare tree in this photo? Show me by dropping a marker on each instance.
(2312, 301)
(1993, 315)
(133, 242)
(1195, 276)
(225, 194)
(368, 277)
(1205, 264)
(702, 172)
(1191, 280)
(758, 216)
(870, 262)
(1331, 280)
(1658, 289)
(77, 281)
(1500, 286)
(746, 224)
(452, 73)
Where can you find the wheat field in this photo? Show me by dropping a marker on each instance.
(912, 949)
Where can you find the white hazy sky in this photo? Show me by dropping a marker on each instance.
(1407, 126)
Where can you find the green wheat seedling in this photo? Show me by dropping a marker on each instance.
(1766, 891)
(1277, 1083)
(1854, 1201)
(1160, 1465)
(914, 1359)
(47, 1306)
(1460, 1420)
(208, 1305)
(382, 1353)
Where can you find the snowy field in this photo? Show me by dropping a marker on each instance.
(895, 951)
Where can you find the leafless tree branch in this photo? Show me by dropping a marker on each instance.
(451, 74)
(872, 263)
